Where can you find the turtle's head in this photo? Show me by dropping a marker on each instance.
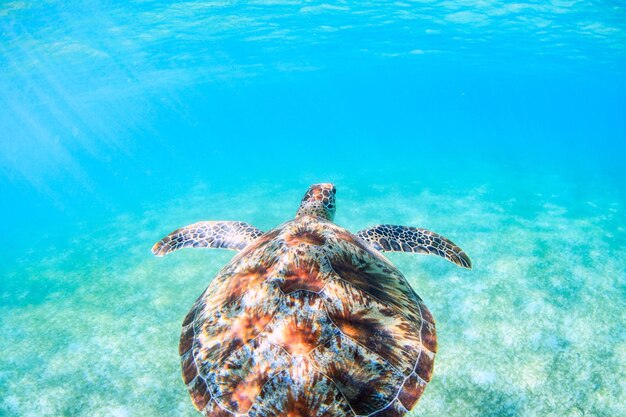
(318, 201)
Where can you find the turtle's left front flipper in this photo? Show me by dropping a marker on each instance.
(226, 235)
(389, 238)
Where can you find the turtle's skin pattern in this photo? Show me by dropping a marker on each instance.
(308, 320)
(225, 235)
(387, 237)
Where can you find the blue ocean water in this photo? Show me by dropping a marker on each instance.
(500, 125)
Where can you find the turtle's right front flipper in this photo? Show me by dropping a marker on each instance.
(391, 238)
(226, 235)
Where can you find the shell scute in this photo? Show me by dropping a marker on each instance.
(301, 325)
(213, 409)
(301, 268)
(241, 377)
(395, 409)
(373, 324)
(189, 367)
(235, 324)
(199, 392)
(366, 381)
(425, 362)
(377, 278)
(411, 391)
(186, 339)
(428, 336)
(300, 391)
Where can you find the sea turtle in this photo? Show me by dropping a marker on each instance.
(308, 319)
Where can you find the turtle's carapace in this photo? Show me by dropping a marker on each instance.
(308, 319)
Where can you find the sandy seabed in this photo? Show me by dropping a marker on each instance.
(90, 320)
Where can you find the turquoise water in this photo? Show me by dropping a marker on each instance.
(501, 126)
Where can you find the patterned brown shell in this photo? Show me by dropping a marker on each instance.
(308, 321)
